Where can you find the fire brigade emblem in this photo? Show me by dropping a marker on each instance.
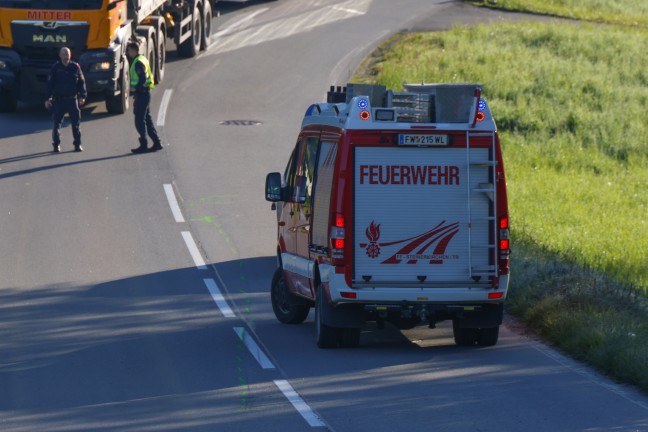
(373, 234)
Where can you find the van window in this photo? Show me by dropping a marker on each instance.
(306, 174)
(289, 174)
(322, 193)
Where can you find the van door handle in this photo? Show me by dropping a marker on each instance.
(282, 223)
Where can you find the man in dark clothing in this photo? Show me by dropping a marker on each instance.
(141, 85)
(67, 92)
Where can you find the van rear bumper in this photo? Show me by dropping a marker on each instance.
(339, 292)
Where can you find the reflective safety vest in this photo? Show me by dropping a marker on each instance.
(133, 72)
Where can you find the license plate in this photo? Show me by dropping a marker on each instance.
(422, 140)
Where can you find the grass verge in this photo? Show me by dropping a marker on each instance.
(625, 12)
(569, 101)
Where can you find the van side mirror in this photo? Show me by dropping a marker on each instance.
(273, 187)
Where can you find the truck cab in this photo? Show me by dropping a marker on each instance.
(393, 207)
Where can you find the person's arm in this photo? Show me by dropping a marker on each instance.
(81, 87)
(141, 74)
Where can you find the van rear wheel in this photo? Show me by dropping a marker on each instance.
(488, 336)
(349, 337)
(325, 336)
(464, 336)
(286, 309)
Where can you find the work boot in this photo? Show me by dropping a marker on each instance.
(142, 147)
(56, 148)
(78, 148)
(156, 146)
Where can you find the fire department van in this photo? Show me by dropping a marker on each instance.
(393, 207)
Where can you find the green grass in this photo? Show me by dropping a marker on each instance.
(571, 102)
(626, 12)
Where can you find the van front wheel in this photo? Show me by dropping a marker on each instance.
(285, 307)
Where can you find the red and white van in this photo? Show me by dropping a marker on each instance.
(393, 208)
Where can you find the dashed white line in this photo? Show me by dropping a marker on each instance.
(254, 349)
(163, 107)
(218, 298)
(193, 250)
(173, 203)
(302, 408)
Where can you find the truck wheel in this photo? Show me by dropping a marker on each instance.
(349, 337)
(8, 101)
(464, 336)
(119, 104)
(160, 58)
(191, 46)
(286, 311)
(151, 56)
(205, 40)
(488, 336)
(326, 336)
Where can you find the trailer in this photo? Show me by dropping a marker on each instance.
(97, 32)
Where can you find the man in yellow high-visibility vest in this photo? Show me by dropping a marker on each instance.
(141, 85)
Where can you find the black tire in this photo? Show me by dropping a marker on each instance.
(285, 311)
(325, 336)
(205, 39)
(8, 101)
(119, 104)
(151, 56)
(349, 337)
(160, 57)
(488, 336)
(464, 336)
(191, 46)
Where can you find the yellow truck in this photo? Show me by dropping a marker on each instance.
(97, 31)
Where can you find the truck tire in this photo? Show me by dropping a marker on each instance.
(284, 309)
(349, 337)
(488, 336)
(191, 46)
(160, 57)
(205, 39)
(118, 104)
(325, 336)
(8, 101)
(464, 336)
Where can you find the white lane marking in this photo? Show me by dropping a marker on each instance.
(254, 349)
(286, 27)
(229, 29)
(173, 203)
(218, 298)
(193, 250)
(302, 408)
(344, 62)
(163, 107)
(348, 10)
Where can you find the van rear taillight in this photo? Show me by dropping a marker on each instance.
(504, 244)
(339, 220)
(337, 239)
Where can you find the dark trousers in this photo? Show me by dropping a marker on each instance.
(62, 106)
(143, 121)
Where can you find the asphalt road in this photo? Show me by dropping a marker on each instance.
(119, 314)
